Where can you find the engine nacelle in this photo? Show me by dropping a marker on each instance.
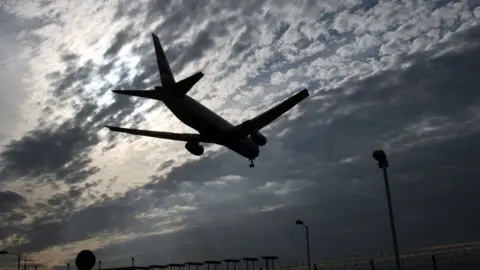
(258, 138)
(194, 148)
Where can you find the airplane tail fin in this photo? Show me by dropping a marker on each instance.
(180, 88)
(166, 75)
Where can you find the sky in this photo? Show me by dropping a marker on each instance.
(401, 76)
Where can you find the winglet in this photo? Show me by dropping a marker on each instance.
(304, 93)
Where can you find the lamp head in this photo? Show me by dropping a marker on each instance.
(381, 157)
(3, 252)
(299, 222)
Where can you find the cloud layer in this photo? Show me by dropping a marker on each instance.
(397, 76)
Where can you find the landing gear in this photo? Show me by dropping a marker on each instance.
(251, 163)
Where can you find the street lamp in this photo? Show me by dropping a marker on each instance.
(381, 158)
(4, 252)
(300, 222)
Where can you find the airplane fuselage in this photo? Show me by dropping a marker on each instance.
(210, 125)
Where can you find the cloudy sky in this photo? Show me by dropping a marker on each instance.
(396, 75)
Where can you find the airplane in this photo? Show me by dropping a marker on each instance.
(244, 139)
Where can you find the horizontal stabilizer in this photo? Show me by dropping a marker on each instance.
(255, 124)
(182, 87)
(186, 137)
(138, 93)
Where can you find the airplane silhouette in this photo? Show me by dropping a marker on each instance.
(244, 139)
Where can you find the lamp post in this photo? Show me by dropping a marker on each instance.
(300, 222)
(381, 158)
(4, 252)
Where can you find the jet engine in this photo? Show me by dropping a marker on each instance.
(194, 148)
(258, 138)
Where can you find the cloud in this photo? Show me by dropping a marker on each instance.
(396, 76)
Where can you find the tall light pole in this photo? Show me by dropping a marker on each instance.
(300, 222)
(381, 158)
(4, 252)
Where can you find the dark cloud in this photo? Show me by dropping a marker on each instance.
(55, 154)
(10, 200)
(121, 39)
(67, 57)
(74, 78)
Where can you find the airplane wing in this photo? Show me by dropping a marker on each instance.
(138, 93)
(244, 129)
(186, 137)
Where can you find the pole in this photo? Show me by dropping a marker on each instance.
(392, 221)
(308, 248)
(18, 262)
(434, 262)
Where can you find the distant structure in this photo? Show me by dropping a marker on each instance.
(196, 264)
(233, 261)
(178, 265)
(158, 266)
(252, 260)
(211, 262)
(270, 258)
